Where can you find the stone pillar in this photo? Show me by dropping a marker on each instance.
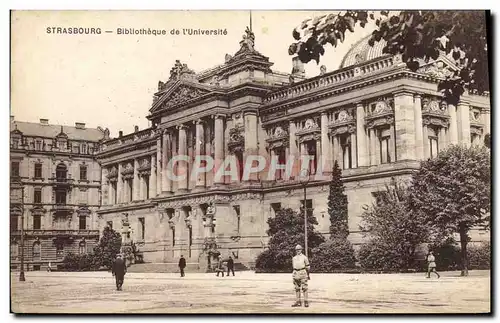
(317, 158)
(392, 144)
(362, 149)
(119, 184)
(325, 144)
(111, 194)
(340, 152)
(158, 165)
(166, 156)
(427, 148)
(293, 141)
(209, 152)
(453, 130)
(182, 166)
(218, 146)
(463, 118)
(200, 150)
(136, 182)
(404, 118)
(373, 155)
(251, 141)
(419, 136)
(141, 195)
(486, 122)
(442, 139)
(354, 145)
(153, 177)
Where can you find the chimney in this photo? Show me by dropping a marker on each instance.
(44, 121)
(79, 125)
(120, 134)
(136, 128)
(298, 67)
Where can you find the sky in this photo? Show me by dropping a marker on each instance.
(108, 80)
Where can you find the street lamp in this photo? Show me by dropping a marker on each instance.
(304, 180)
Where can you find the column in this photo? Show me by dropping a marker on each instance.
(153, 177)
(427, 148)
(373, 155)
(317, 158)
(442, 139)
(182, 166)
(340, 152)
(209, 152)
(419, 136)
(141, 194)
(199, 150)
(136, 185)
(404, 118)
(362, 151)
(463, 118)
(453, 130)
(157, 164)
(325, 148)
(119, 184)
(392, 144)
(354, 145)
(293, 150)
(251, 146)
(219, 146)
(111, 194)
(486, 122)
(166, 155)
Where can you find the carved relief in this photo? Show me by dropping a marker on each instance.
(113, 174)
(278, 136)
(435, 112)
(128, 171)
(236, 139)
(182, 95)
(437, 69)
(380, 113)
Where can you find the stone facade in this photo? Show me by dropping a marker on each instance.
(55, 191)
(374, 116)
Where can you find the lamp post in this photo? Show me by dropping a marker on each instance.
(304, 180)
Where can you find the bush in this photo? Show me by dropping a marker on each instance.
(479, 256)
(83, 262)
(374, 255)
(447, 254)
(265, 262)
(333, 256)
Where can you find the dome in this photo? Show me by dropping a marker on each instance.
(361, 52)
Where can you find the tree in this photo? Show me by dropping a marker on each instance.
(416, 35)
(337, 205)
(395, 230)
(454, 190)
(286, 231)
(107, 249)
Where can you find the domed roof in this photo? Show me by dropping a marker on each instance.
(361, 52)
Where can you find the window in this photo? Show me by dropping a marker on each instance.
(14, 223)
(238, 217)
(115, 192)
(173, 237)
(146, 179)
(60, 251)
(15, 143)
(83, 173)
(14, 250)
(60, 197)
(385, 153)
(130, 189)
(61, 171)
(14, 169)
(110, 224)
(311, 151)
(309, 207)
(190, 240)
(38, 170)
(81, 247)
(142, 228)
(37, 198)
(83, 149)
(37, 222)
(38, 145)
(36, 252)
(82, 223)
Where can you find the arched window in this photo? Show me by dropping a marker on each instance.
(82, 247)
(61, 171)
(37, 250)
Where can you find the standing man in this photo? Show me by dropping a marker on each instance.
(182, 265)
(230, 265)
(300, 275)
(220, 266)
(119, 270)
(431, 263)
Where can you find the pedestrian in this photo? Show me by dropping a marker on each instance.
(119, 270)
(230, 265)
(431, 265)
(300, 276)
(49, 268)
(220, 266)
(182, 265)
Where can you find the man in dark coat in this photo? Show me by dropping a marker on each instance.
(230, 265)
(182, 265)
(119, 270)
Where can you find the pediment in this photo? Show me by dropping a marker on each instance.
(178, 93)
(442, 67)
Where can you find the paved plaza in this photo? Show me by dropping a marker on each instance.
(94, 292)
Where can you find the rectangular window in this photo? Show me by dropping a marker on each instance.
(142, 228)
(309, 207)
(37, 222)
(38, 145)
(38, 170)
(14, 223)
(14, 169)
(60, 197)
(83, 149)
(115, 192)
(37, 197)
(433, 142)
(82, 223)
(110, 224)
(83, 173)
(173, 237)
(147, 187)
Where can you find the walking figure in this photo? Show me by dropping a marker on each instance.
(119, 270)
(230, 266)
(300, 276)
(431, 263)
(220, 266)
(182, 265)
